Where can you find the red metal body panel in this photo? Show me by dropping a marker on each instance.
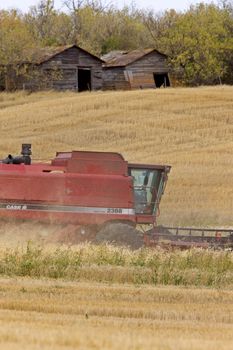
(77, 187)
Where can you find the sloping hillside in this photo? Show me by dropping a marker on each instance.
(190, 129)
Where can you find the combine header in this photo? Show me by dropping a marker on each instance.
(94, 196)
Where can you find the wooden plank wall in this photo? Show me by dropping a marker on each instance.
(114, 79)
(143, 70)
(136, 75)
(64, 67)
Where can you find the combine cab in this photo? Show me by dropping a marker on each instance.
(95, 196)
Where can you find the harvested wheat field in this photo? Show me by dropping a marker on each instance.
(190, 129)
(43, 314)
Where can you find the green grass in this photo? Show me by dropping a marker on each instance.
(110, 264)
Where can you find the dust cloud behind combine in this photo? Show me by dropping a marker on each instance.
(16, 233)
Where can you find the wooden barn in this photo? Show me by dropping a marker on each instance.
(59, 68)
(138, 69)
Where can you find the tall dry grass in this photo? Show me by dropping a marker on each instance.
(191, 129)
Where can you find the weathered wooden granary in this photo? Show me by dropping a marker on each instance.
(59, 68)
(136, 69)
(73, 68)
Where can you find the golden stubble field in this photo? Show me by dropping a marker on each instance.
(190, 129)
(43, 314)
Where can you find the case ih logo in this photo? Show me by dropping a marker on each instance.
(16, 207)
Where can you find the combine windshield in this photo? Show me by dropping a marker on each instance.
(148, 189)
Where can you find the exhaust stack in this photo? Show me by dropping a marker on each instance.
(26, 152)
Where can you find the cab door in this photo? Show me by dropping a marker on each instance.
(147, 189)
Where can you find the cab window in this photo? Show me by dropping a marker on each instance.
(146, 185)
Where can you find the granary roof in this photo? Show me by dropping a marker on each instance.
(112, 55)
(123, 58)
(42, 54)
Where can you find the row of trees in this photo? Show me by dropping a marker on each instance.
(198, 42)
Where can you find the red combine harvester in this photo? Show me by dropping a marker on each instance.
(94, 196)
(98, 195)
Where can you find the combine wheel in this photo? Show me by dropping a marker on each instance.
(120, 234)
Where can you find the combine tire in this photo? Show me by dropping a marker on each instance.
(120, 235)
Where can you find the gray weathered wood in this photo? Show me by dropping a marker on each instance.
(138, 74)
(60, 72)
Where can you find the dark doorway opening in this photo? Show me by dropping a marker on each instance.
(84, 79)
(161, 79)
(2, 82)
